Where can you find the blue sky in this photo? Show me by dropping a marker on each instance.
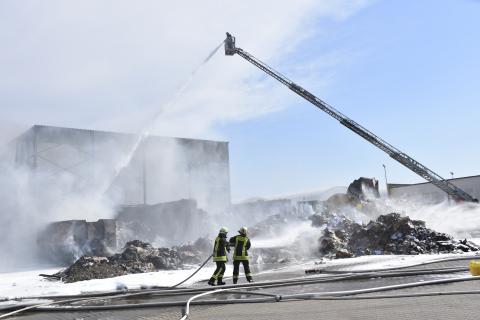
(406, 70)
(412, 78)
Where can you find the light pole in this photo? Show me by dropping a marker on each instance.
(448, 196)
(386, 181)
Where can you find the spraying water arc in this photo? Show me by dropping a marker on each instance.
(147, 128)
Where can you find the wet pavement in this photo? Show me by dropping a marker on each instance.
(309, 309)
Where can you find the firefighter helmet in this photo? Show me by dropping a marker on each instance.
(223, 230)
(243, 230)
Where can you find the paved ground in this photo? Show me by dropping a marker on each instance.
(436, 307)
(439, 308)
(140, 314)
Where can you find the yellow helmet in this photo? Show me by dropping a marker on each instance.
(243, 230)
(223, 230)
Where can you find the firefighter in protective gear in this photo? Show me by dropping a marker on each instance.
(241, 244)
(220, 250)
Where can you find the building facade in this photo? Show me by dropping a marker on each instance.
(429, 193)
(129, 168)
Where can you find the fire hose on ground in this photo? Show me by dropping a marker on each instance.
(334, 295)
(171, 291)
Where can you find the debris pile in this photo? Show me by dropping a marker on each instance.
(363, 188)
(63, 242)
(194, 253)
(388, 234)
(136, 257)
(359, 194)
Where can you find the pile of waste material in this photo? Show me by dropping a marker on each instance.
(194, 253)
(388, 234)
(359, 194)
(136, 257)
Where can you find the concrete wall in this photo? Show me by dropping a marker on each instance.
(164, 224)
(66, 241)
(162, 169)
(428, 193)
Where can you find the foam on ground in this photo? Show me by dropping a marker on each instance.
(29, 283)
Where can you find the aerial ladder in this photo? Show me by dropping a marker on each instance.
(453, 191)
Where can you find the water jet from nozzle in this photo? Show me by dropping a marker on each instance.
(123, 163)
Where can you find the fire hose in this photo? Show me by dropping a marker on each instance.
(171, 291)
(335, 295)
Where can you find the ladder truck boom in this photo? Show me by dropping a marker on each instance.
(429, 175)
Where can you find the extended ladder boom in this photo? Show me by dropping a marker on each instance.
(452, 190)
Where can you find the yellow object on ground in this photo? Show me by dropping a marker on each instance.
(475, 267)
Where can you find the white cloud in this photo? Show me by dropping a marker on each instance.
(111, 64)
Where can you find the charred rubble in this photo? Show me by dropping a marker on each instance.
(63, 242)
(136, 257)
(339, 236)
(358, 194)
(388, 234)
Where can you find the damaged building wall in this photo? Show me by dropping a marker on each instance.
(162, 169)
(78, 175)
(66, 241)
(164, 224)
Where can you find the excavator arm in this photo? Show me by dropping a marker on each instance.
(429, 175)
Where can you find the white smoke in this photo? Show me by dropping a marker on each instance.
(298, 238)
(111, 65)
(287, 235)
(28, 202)
(462, 220)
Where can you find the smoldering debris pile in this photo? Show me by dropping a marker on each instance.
(388, 234)
(136, 257)
(359, 192)
(63, 242)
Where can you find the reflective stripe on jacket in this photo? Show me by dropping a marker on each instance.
(241, 245)
(219, 249)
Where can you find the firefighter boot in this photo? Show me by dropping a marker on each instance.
(220, 282)
(211, 282)
(249, 279)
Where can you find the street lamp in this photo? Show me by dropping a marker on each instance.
(386, 181)
(448, 196)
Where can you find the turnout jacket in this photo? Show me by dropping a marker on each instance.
(240, 245)
(220, 248)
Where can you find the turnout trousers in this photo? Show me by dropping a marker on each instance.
(246, 268)
(219, 271)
